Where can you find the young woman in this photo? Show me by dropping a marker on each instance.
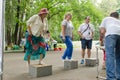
(67, 36)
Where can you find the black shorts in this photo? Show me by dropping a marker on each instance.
(86, 43)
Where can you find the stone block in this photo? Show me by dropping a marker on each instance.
(40, 70)
(91, 62)
(70, 64)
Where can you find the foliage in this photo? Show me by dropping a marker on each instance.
(16, 18)
(107, 6)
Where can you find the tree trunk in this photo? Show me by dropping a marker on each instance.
(17, 24)
(8, 25)
(19, 38)
(8, 37)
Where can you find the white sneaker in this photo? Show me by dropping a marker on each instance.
(71, 59)
(41, 63)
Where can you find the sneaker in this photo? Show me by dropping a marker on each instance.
(41, 63)
(82, 61)
(71, 59)
(63, 59)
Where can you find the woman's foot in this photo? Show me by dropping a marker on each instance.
(41, 63)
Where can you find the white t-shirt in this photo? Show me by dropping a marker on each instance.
(112, 25)
(88, 33)
(68, 27)
(37, 26)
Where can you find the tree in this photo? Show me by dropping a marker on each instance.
(19, 11)
(107, 6)
(15, 13)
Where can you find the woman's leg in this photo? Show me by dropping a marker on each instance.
(41, 58)
(65, 54)
(28, 59)
(70, 48)
(66, 50)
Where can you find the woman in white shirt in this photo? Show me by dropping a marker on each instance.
(35, 43)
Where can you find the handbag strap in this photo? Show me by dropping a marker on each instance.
(85, 29)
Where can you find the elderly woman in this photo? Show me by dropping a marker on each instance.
(35, 43)
(67, 36)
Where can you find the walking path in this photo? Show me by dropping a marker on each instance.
(15, 68)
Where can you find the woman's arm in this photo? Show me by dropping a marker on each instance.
(63, 31)
(29, 22)
(29, 29)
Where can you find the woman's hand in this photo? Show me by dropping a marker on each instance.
(63, 38)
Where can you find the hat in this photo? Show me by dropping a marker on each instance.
(43, 11)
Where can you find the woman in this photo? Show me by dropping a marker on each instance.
(67, 36)
(35, 43)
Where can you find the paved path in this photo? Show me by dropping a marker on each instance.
(15, 68)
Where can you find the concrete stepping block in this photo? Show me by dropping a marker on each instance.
(36, 70)
(91, 62)
(70, 64)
